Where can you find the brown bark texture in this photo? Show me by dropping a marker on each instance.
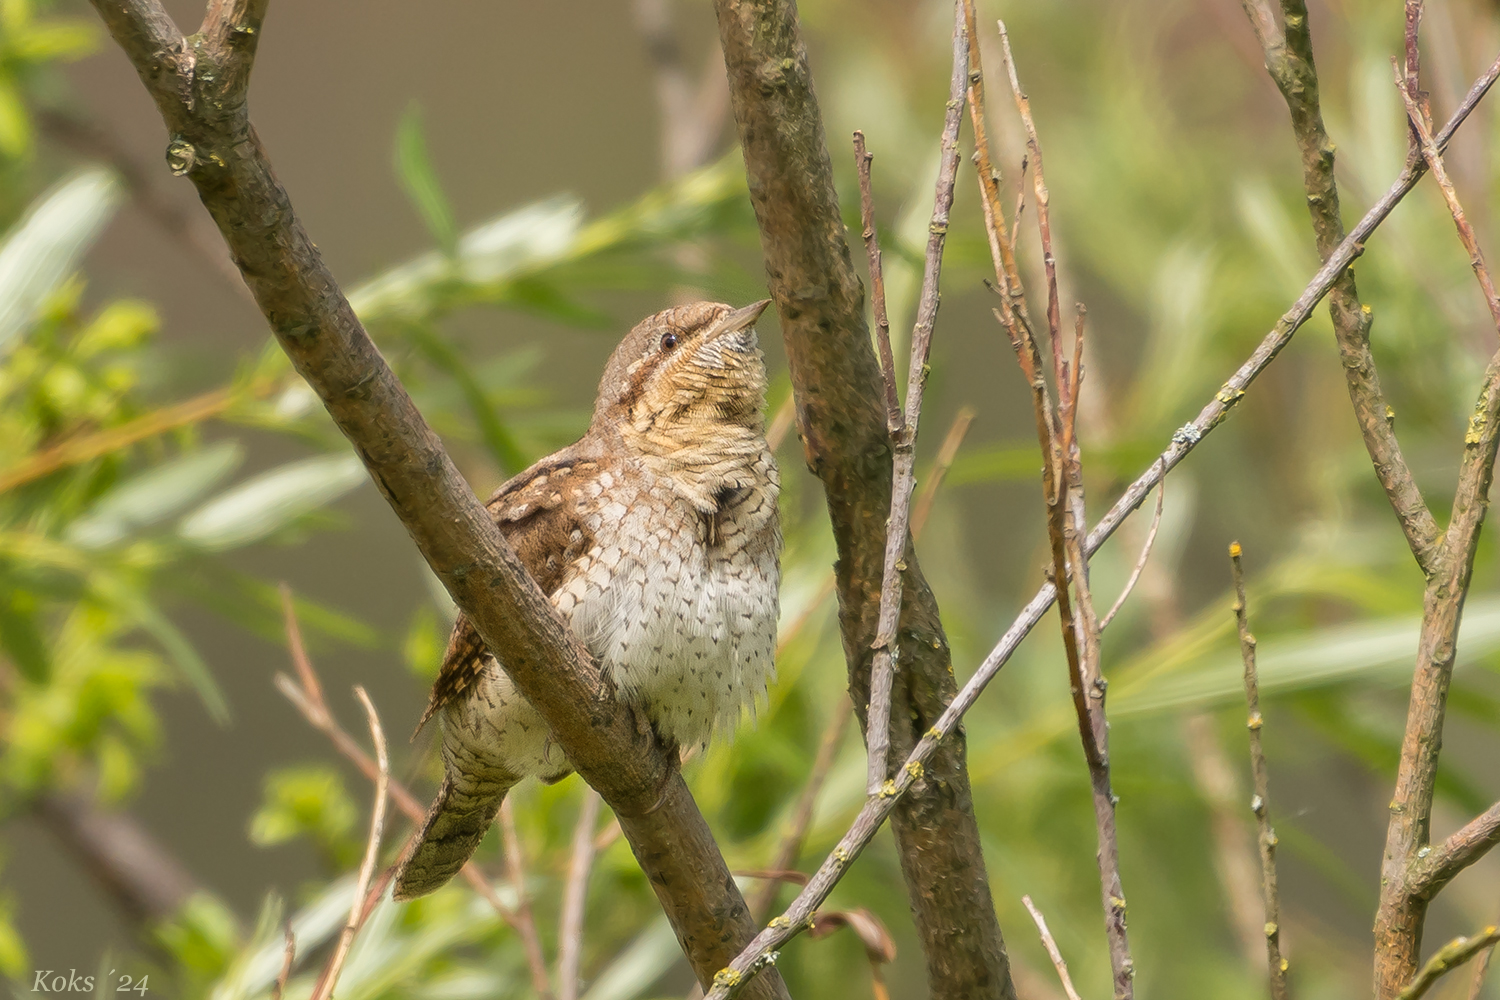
(842, 422)
(199, 84)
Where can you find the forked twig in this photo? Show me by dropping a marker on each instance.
(362, 907)
(1052, 950)
(1261, 803)
(904, 427)
(306, 695)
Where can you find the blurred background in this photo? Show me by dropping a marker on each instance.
(503, 189)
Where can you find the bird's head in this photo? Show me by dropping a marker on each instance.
(685, 376)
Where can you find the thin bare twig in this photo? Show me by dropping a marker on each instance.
(1052, 950)
(1422, 127)
(1261, 803)
(761, 952)
(904, 434)
(306, 695)
(1140, 563)
(895, 421)
(1449, 957)
(287, 959)
(947, 452)
(1066, 520)
(95, 444)
(360, 911)
(525, 921)
(791, 843)
(575, 894)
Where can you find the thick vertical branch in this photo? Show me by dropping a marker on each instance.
(1408, 878)
(842, 422)
(199, 86)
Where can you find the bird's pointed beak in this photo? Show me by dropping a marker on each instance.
(743, 319)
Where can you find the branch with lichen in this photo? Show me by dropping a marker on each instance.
(762, 951)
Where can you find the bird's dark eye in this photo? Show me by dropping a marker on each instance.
(668, 341)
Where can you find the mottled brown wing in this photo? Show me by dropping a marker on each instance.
(537, 513)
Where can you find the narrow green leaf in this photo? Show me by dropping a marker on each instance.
(414, 170)
(259, 506)
(45, 247)
(153, 495)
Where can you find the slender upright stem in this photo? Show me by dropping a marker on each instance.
(1261, 803)
(575, 894)
(360, 911)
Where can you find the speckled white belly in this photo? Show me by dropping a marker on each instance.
(682, 626)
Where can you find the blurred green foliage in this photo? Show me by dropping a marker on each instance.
(1176, 191)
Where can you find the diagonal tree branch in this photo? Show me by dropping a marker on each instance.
(842, 421)
(199, 86)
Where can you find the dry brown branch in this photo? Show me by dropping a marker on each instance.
(306, 695)
(360, 911)
(1289, 61)
(903, 426)
(575, 894)
(894, 420)
(289, 956)
(836, 379)
(1140, 563)
(1449, 957)
(200, 88)
(1052, 950)
(761, 951)
(1066, 521)
(1261, 803)
(1422, 127)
